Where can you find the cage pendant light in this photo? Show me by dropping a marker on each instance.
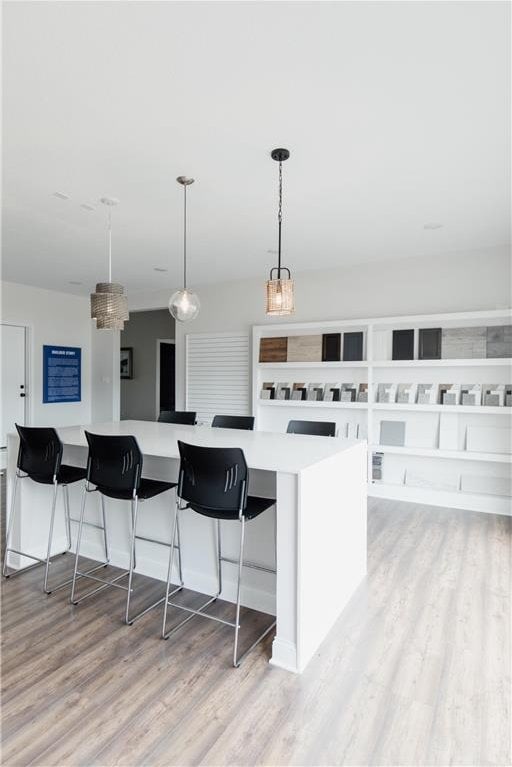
(109, 306)
(184, 304)
(280, 292)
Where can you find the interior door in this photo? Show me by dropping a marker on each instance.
(12, 409)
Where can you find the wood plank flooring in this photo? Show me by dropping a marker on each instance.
(416, 672)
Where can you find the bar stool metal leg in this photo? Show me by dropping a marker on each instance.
(219, 557)
(78, 541)
(105, 536)
(236, 663)
(10, 525)
(50, 537)
(169, 568)
(67, 514)
(178, 543)
(135, 503)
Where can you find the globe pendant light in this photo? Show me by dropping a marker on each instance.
(280, 298)
(184, 305)
(109, 306)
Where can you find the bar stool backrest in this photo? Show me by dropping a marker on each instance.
(213, 478)
(115, 462)
(314, 428)
(177, 416)
(234, 422)
(40, 452)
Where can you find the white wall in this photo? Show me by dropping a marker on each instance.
(456, 282)
(52, 318)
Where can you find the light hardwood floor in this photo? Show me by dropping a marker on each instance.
(416, 672)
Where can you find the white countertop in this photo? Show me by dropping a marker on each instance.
(269, 451)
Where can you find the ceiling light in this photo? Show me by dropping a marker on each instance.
(433, 225)
(184, 305)
(159, 269)
(61, 195)
(108, 305)
(280, 298)
(86, 206)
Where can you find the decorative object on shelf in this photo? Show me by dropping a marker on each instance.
(331, 347)
(377, 460)
(273, 349)
(362, 395)
(452, 395)
(299, 391)
(386, 393)
(315, 392)
(429, 347)
(403, 344)
(463, 343)
(499, 341)
(353, 346)
(471, 394)
(488, 439)
(493, 395)
(427, 394)
(332, 392)
(109, 306)
(449, 432)
(406, 394)
(283, 391)
(304, 349)
(268, 390)
(392, 433)
(348, 392)
(280, 292)
(184, 304)
(442, 389)
(508, 396)
(126, 362)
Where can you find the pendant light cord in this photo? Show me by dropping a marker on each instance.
(280, 218)
(184, 237)
(109, 243)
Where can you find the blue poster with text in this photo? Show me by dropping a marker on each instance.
(62, 374)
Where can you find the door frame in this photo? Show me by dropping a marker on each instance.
(160, 341)
(28, 366)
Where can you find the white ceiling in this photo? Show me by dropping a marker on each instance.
(396, 115)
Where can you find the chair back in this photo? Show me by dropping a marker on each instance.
(177, 416)
(40, 452)
(114, 463)
(213, 479)
(233, 422)
(314, 428)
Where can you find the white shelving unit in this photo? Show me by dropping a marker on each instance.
(423, 422)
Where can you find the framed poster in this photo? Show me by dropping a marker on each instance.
(62, 374)
(126, 359)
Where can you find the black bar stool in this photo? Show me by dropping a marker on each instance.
(314, 428)
(233, 422)
(213, 482)
(177, 416)
(39, 458)
(114, 469)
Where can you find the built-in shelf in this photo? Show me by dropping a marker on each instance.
(312, 365)
(471, 363)
(432, 452)
(305, 404)
(485, 409)
(458, 499)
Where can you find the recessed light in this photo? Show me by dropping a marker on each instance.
(159, 269)
(433, 225)
(273, 252)
(61, 195)
(86, 206)
(74, 282)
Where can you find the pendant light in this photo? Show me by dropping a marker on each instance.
(184, 305)
(280, 298)
(108, 304)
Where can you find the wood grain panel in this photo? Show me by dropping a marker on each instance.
(273, 349)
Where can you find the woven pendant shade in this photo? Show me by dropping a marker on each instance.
(280, 297)
(109, 306)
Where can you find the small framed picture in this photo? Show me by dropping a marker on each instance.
(127, 362)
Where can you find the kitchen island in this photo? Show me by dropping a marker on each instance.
(316, 538)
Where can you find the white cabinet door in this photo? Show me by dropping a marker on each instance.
(12, 410)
